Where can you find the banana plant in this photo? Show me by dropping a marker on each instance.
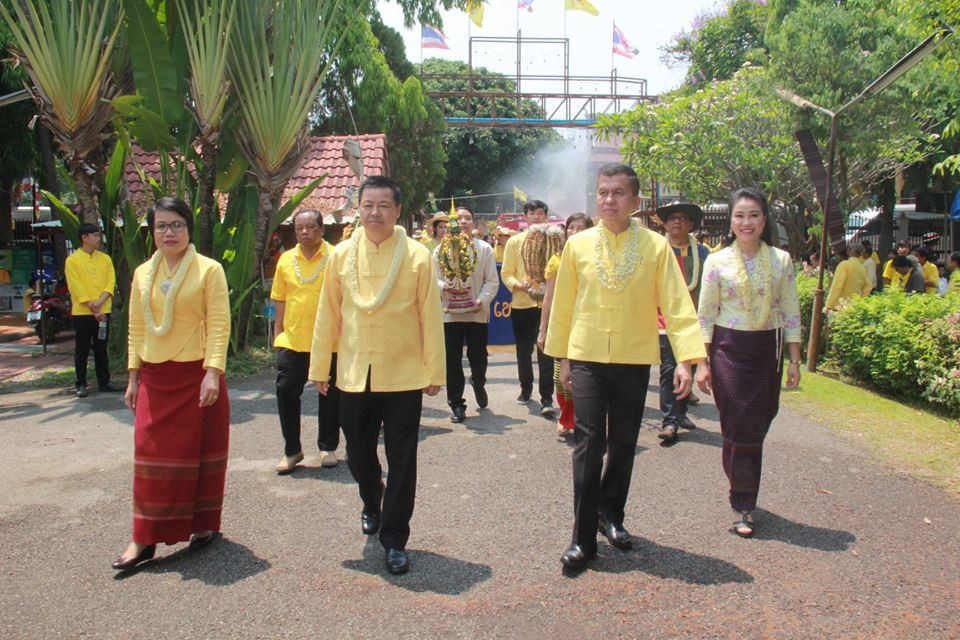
(66, 48)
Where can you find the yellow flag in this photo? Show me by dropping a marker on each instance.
(519, 195)
(582, 5)
(475, 11)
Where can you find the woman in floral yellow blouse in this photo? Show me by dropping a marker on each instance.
(748, 309)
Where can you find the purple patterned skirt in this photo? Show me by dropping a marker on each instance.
(747, 367)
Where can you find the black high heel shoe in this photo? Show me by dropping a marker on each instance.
(121, 564)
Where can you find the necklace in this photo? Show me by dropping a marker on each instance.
(353, 272)
(316, 271)
(746, 288)
(614, 273)
(695, 254)
(170, 287)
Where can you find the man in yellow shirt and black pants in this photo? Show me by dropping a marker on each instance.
(525, 315)
(91, 281)
(603, 327)
(380, 310)
(850, 279)
(296, 294)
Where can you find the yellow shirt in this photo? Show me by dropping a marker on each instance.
(300, 300)
(401, 342)
(498, 252)
(513, 273)
(897, 281)
(553, 266)
(88, 277)
(849, 280)
(931, 276)
(430, 243)
(953, 284)
(590, 322)
(201, 317)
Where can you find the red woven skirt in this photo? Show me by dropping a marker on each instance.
(180, 454)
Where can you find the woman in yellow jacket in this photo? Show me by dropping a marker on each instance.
(179, 331)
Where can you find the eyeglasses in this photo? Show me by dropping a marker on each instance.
(162, 227)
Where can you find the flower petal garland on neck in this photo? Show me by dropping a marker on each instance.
(695, 254)
(170, 295)
(316, 271)
(353, 271)
(614, 272)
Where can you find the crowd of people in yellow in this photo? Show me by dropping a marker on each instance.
(360, 319)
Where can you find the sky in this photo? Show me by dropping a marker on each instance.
(647, 24)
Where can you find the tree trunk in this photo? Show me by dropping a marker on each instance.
(48, 162)
(6, 213)
(86, 194)
(208, 204)
(267, 206)
(887, 194)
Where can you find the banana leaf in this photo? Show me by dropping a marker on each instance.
(286, 210)
(68, 219)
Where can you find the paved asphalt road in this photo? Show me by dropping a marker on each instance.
(846, 547)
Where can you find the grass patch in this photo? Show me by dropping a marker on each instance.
(908, 438)
(249, 363)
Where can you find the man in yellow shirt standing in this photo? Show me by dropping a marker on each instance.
(380, 310)
(850, 278)
(525, 314)
(891, 277)
(603, 326)
(931, 275)
(296, 293)
(91, 281)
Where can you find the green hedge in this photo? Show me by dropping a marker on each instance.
(905, 345)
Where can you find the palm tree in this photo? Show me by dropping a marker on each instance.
(207, 32)
(279, 56)
(66, 48)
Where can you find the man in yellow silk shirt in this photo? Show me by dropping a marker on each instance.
(850, 278)
(931, 275)
(296, 293)
(891, 277)
(380, 311)
(603, 327)
(525, 315)
(91, 281)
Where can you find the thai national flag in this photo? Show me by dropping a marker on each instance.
(432, 38)
(525, 4)
(620, 44)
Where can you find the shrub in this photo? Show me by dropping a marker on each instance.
(940, 371)
(806, 285)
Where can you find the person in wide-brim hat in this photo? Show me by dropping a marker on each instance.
(693, 211)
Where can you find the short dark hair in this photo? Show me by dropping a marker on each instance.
(467, 209)
(618, 169)
(172, 205)
(380, 182)
(954, 257)
(533, 205)
(902, 261)
(904, 243)
(922, 251)
(867, 246)
(86, 229)
(316, 214)
(573, 217)
(749, 193)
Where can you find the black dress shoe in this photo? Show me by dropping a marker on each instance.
(397, 561)
(685, 422)
(109, 388)
(459, 414)
(125, 564)
(82, 391)
(481, 395)
(615, 533)
(668, 433)
(369, 523)
(575, 558)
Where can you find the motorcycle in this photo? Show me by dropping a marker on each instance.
(49, 309)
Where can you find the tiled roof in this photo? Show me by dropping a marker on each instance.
(325, 157)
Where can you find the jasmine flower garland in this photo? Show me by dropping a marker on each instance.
(353, 275)
(170, 295)
(615, 272)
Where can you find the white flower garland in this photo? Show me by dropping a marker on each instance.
(747, 290)
(170, 295)
(695, 254)
(316, 272)
(399, 252)
(614, 273)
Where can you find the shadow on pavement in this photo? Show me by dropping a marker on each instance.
(770, 526)
(339, 474)
(429, 572)
(702, 436)
(668, 562)
(220, 564)
(487, 423)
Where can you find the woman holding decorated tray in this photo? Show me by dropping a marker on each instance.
(179, 330)
(748, 309)
(576, 223)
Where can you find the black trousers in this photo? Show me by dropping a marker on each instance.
(86, 329)
(362, 414)
(671, 409)
(608, 404)
(292, 369)
(454, 335)
(526, 325)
